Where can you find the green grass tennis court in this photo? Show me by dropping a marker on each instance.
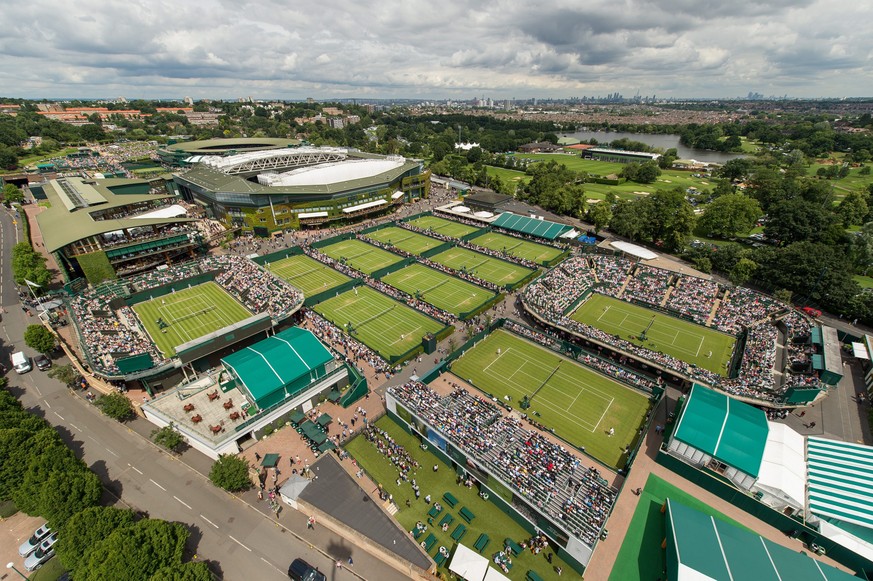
(445, 227)
(411, 242)
(439, 289)
(641, 557)
(493, 270)
(689, 342)
(517, 247)
(307, 274)
(188, 314)
(379, 322)
(580, 404)
(360, 255)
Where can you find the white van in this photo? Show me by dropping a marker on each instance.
(21, 362)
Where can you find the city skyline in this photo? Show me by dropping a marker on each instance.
(419, 50)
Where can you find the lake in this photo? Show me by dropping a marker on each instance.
(664, 141)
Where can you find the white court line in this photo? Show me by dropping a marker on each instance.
(498, 357)
(158, 485)
(209, 521)
(182, 502)
(239, 543)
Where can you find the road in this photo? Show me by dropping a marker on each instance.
(237, 540)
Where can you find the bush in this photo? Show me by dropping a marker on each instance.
(39, 338)
(116, 406)
(230, 473)
(168, 438)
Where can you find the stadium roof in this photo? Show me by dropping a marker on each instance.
(532, 226)
(700, 546)
(839, 477)
(332, 173)
(69, 220)
(277, 361)
(730, 431)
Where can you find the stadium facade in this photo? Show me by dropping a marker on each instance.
(177, 153)
(270, 189)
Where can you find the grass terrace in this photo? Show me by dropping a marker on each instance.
(445, 227)
(489, 518)
(307, 274)
(384, 325)
(689, 342)
(360, 255)
(517, 247)
(580, 404)
(187, 314)
(485, 267)
(439, 289)
(411, 242)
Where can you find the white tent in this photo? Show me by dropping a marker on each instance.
(168, 212)
(634, 250)
(468, 564)
(783, 466)
(495, 575)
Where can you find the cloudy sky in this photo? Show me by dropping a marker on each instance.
(434, 49)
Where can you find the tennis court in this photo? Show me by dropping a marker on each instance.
(384, 325)
(485, 267)
(439, 289)
(187, 314)
(580, 404)
(307, 274)
(445, 227)
(360, 255)
(684, 340)
(411, 242)
(523, 249)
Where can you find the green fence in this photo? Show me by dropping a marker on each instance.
(333, 240)
(358, 387)
(378, 274)
(441, 248)
(377, 227)
(786, 524)
(330, 293)
(560, 258)
(278, 255)
(475, 234)
(481, 308)
(160, 291)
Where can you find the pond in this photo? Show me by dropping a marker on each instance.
(664, 141)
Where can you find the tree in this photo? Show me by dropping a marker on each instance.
(600, 215)
(669, 218)
(67, 493)
(796, 220)
(66, 374)
(42, 464)
(183, 572)
(168, 437)
(116, 406)
(85, 530)
(12, 194)
(135, 552)
(39, 338)
(736, 169)
(853, 209)
(729, 215)
(230, 473)
(742, 272)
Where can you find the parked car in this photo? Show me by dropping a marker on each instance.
(42, 362)
(43, 553)
(300, 570)
(21, 362)
(815, 313)
(30, 545)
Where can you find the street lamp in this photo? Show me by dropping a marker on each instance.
(12, 566)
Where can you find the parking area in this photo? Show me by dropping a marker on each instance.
(14, 531)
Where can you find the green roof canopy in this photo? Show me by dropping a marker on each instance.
(818, 362)
(277, 361)
(531, 226)
(730, 431)
(703, 547)
(839, 477)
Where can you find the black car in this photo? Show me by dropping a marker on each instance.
(300, 570)
(42, 362)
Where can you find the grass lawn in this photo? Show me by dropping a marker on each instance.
(523, 249)
(34, 159)
(852, 182)
(689, 342)
(439, 289)
(489, 518)
(307, 274)
(580, 404)
(863, 281)
(445, 227)
(189, 313)
(411, 242)
(641, 557)
(381, 323)
(490, 269)
(360, 255)
(51, 571)
(508, 175)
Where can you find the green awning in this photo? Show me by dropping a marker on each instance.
(297, 417)
(270, 460)
(815, 336)
(818, 362)
(532, 226)
(324, 419)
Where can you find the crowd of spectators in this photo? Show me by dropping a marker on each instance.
(548, 475)
(253, 286)
(347, 347)
(740, 310)
(396, 453)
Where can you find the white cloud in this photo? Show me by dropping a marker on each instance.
(499, 48)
